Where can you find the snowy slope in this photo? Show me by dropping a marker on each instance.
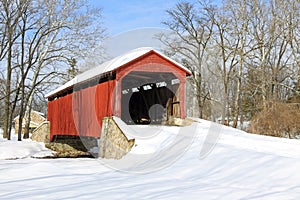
(15, 149)
(240, 166)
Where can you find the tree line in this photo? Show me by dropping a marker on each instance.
(243, 54)
(40, 42)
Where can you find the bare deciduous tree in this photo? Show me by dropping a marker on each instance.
(192, 30)
(48, 35)
(251, 51)
(11, 12)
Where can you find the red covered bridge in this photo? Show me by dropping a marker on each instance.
(141, 86)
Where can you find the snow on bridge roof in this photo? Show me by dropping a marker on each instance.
(112, 65)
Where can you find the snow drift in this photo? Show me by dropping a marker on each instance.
(239, 166)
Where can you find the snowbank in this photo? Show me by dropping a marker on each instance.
(239, 166)
(13, 149)
(23, 149)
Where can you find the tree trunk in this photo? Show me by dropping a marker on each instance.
(195, 100)
(7, 107)
(22, 110)
(7, 120)
(298, 79)
(20, 124)
(28, 117)
(23, 104)
(238, 97)
(200, 103)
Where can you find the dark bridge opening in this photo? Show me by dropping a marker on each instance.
(149, 98)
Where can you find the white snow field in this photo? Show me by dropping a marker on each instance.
(240, 166)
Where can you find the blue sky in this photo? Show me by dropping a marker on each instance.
(133, 23)
(121, 16)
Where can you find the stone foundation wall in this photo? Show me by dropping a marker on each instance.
(63, 150)
(113, 143)
(80, 143)
(42, 133)
(175, 121)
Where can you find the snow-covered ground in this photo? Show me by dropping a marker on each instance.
(238, 166)
(21, 149)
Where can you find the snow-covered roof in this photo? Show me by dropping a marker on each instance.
(39, 113)
(34, 111)
(112, 65)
